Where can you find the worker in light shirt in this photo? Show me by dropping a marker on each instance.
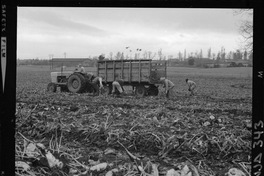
(168, 85)
(191, 85)
(117, 87)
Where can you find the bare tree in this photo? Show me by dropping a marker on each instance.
(122, 56)
(230, 55)
(118, 56)
(196, 54)
(111, 55)
(160, 54)
(201, 54)
(245, 55)
(151, 55)
(213, 55)
(135, 57)
(209, 53)
(145, 55)
(223, 53)
(246, 28)
(170, 57)
(180, 56)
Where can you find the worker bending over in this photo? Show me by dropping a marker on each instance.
(97, 83)
(117, 87)
(191, 85)
(168, 85)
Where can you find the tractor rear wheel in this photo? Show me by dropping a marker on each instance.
(76, 83)
(140, 91)
(51, 87)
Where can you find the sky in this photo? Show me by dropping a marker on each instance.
(87, 32)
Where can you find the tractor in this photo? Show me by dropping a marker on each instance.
(71, 81)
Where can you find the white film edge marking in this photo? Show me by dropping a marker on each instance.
(3, 60)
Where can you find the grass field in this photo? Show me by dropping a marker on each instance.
(210, 130)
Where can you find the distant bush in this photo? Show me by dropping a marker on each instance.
(240, 65)
(191, 61)
(232, 64)
(216, 65)
(205, 66)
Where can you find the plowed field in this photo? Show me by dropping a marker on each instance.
(211, 130)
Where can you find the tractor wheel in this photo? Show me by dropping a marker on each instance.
(76, 83)
(140, 91)
(64, 89)
(52, 87)
(153, 90)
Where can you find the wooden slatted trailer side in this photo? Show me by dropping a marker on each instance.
(142, 74)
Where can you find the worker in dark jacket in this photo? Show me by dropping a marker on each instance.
(97, 83)
(117, 87)
(191, 86)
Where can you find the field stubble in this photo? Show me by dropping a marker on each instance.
(211, 130)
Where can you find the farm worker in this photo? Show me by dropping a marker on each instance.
(118, 84)
(167, 84)
(90, 76)
(97, 83)
(191, 85)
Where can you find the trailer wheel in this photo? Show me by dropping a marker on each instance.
(51, 87)
(140, 91)
(107, 90)
(76, 83)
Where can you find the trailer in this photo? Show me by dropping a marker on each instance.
(143, 75)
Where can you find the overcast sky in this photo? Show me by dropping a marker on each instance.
(84, 32)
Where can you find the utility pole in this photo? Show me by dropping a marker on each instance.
(49, 60)
(64, 54)
(51, 57)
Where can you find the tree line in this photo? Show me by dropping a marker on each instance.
(182, 58)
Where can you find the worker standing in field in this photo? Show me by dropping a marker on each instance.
(117, 87)
(191, 85)
(168, 85)
(97, 83)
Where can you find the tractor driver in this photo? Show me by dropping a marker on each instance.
(79, 68)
